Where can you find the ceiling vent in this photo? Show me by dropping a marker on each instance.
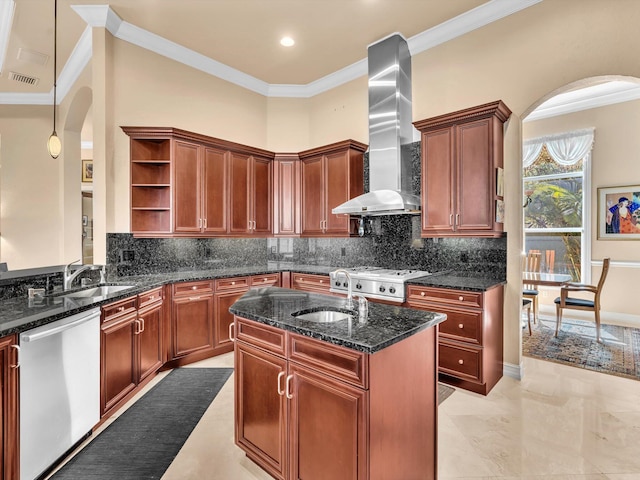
(32, 56)
(19, 77)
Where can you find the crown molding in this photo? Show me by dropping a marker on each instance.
(102, 16)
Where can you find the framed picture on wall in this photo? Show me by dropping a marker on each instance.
(87, 171)
(619, 213)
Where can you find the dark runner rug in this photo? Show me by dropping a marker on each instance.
(576, 345)
(443, 392)
(143, 441)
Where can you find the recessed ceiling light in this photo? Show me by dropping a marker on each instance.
(287, 42)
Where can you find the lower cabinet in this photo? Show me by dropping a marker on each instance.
(131, 347)
(471, 338)
(192, 319)
(307, 409)
(9, 467)
(311, 283)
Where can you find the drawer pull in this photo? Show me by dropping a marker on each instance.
(194, 287)
(280, 390)
(321, 281)
(121, 309)
(461, 325)
(264, 279)
(461, 298)
(422, 294)
(461, 362)
(191, 299)
(233, 283)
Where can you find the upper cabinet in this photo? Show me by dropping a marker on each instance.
(186, 184)
(286, 194)
(462, 159)
(331, 175)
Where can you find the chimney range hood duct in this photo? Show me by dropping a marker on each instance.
(390, 128)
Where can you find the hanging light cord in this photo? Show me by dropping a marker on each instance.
(55, 59)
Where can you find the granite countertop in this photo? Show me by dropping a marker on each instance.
(384, 325)
(19, 314)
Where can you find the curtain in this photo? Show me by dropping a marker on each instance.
(565, 148)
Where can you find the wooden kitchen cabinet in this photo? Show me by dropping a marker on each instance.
(461, 154)
(286, 195)
(310, 409)
(331, 175)
(311, 282)
(192, 319)
(9, 406)
(251, 195)
(471, 338)
(131, 347)
(188, 184)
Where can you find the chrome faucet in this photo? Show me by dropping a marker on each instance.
(70, 277)
(349, 290)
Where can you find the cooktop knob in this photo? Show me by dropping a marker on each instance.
(392, 290)
(382, 289)
(338, 284)
(358, 286)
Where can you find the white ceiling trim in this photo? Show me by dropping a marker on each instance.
(7, 7)
(104, 17)
(585, 99)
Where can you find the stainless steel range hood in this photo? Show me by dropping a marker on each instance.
(390, 128)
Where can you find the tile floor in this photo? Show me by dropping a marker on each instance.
(559, 423)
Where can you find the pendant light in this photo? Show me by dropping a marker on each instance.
(54, 145)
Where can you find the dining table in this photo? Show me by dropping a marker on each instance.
(546, 279)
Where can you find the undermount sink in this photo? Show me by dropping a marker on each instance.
(322, 316)
(100, 291)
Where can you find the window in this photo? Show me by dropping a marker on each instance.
(554, 222)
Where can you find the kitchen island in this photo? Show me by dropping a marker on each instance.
(354, 398)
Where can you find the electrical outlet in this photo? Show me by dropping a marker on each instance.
(343, 251)
(127, 255)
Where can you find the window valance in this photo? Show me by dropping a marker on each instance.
(565, 148)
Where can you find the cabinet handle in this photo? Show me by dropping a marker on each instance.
(461, 325)
(142, 323)
(194, 287)
(451, 219)
(152, 297)
(121, 309)
(422, 294)
(457, 219)
(136, 327)
(17, 347)
(191, 299)
(461, 298)
(233, 283)
(264, 279)
(321, 281)
(288, 387)
(280, 390)
(461, 362)
(205, 223)
(231, 333)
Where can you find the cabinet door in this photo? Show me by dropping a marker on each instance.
(9, 407)
(327, 421)
(150, 352)
(475, 172)
(261, 195)
(240, 188)
(286, 208)
(337, 188)
(261, 420)
(119, 372)
(224, 318)
(186, 188)
(192, 325)
(437, 182)
(214, 177)
(312, 196)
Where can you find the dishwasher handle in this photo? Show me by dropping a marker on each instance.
(60, 326)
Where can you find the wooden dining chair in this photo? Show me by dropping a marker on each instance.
(565, 301)
(526, 305)
(529, 291)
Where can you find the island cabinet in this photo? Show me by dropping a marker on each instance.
(310, 282)
(9, 364)
(188, 184)
(331, 175)
(462, 153)
(470, 342)
(308, 409)
(131, 347)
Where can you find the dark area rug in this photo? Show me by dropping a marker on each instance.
(144, 440)
(444, 391)
(576, 345)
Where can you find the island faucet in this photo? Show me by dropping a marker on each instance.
(69, 277)
(349, 289)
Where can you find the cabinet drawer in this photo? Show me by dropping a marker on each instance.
(266, 279)
(185, 289)
(445, 296)
(342, 363)
(119, 309)
(465, 325)
(152, 296)
(305, 281)
(232, 283)
(260, 335)
(460, 361)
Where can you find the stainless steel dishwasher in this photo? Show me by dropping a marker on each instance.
(59, 389)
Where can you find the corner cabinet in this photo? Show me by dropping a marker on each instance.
(185, 184)
(461, 154)
(331, 175)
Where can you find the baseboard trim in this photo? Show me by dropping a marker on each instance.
(512, 371)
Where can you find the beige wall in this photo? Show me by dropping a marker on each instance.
(520, 59)
(614, 151)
